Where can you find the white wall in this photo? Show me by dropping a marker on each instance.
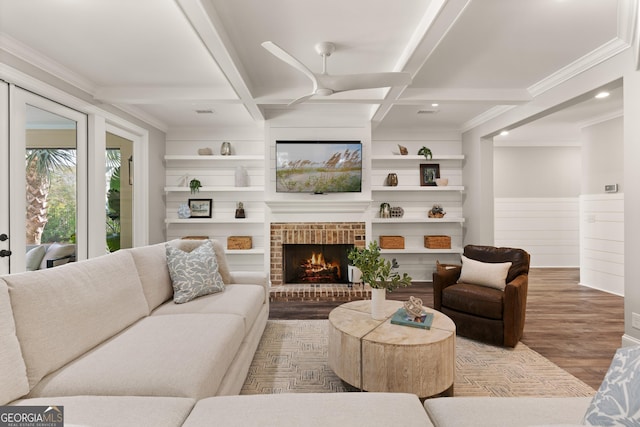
(536, 192)
(602, 232)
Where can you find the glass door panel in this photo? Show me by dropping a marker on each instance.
(47, 184)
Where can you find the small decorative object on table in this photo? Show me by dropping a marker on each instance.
(403, 150)
(240, 210)
(396, 212)
(436, 212)
(225, 149)
(205, 151)
(413, 314)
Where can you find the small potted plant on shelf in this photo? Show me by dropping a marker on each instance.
(426, 152)
(378, 273)
(194, 185)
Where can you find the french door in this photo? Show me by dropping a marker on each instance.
(43, 181)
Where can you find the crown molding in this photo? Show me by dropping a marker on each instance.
(38, 60)
(590, 60)
(605, 117)
(491, 113)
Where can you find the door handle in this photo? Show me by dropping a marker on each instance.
(4, 253)
(3, 237)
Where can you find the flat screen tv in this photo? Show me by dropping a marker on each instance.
(318, 167)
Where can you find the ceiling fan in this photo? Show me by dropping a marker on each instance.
(325, 84)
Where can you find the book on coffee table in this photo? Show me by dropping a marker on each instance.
(401, 317)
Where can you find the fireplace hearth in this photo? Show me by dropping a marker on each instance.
(316, 263)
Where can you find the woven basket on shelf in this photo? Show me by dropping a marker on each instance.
(437, 242)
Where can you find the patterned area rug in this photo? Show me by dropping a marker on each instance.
(292, 358)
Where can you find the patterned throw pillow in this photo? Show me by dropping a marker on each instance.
(193, 274)
(617, 402)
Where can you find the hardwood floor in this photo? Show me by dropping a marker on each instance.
(577, 328)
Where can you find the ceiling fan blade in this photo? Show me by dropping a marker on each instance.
(341, 83)
(285, 56)
(300, 100)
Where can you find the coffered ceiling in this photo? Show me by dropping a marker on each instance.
(200, 64)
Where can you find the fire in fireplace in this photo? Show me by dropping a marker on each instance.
(312, 263)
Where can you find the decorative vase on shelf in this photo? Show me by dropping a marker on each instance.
(242, 177)
(392, 180)
(225, 149)
(378, 297)
(184, 211)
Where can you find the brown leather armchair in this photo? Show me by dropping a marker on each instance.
(484, 313)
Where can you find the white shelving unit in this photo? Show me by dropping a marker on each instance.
(417, 200)
(217, 175)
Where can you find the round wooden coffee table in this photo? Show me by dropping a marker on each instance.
(376, 355)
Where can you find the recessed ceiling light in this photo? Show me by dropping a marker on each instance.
(602, 95)
(204, 111)
(435, 104)
(504, 132)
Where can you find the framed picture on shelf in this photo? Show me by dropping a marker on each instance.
(429, 172)
(200, 208)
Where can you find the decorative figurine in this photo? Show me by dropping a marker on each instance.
(240, 211)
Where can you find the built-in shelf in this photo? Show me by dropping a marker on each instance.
(254, 251)
(412, 157)
(416, 220)
(418, 250)
(180, 157)
(418, 188)
(256, 220)
(257, 189)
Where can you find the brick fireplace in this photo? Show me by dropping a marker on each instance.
(312, 233)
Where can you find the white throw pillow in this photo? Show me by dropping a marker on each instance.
(491, 274)
(193, 274)
(34, 257)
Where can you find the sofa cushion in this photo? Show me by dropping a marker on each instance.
(480, 301)
(505, 411)
(121, 411)
(489, 274)
(12, 368)
(193, 274)
(185, 355)
(617, 401)
(245, 301)
(34, 257)
(63, 312)
(151, 263)
(310, 410)
(56, 251)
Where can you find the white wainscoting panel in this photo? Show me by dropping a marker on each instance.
(602, 242)
(547, 228)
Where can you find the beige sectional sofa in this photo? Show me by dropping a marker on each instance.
(104, 339)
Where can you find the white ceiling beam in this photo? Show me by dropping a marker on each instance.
(435, 24)
(159, 94)
(415, 96)
(209, 28)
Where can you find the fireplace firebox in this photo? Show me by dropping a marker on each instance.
(316, 263)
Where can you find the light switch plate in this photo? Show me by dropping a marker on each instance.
(611, 188)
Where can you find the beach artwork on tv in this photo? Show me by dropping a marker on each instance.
(318, 167)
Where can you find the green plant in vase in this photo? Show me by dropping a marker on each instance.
(195, 185)
(376, 270)
(426, 152)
